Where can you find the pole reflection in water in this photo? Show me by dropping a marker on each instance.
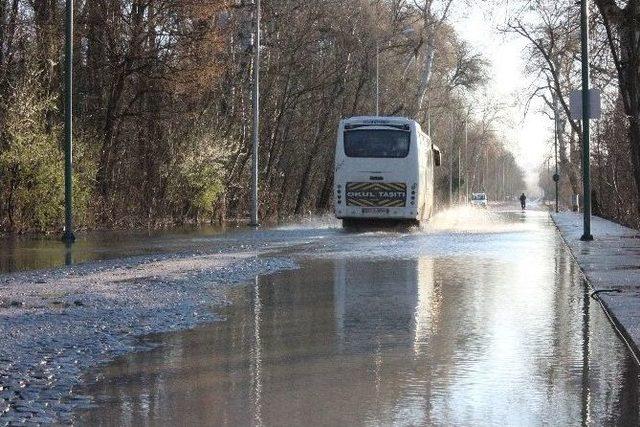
(68, 253)
(475, 338)
(22, 253)
(256, 355)
(427, 304)
(586, 394)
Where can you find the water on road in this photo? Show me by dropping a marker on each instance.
(482, 318)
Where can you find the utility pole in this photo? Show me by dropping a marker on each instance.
(556, 175)
(586, 114)
(485, 173)
(68, 236)
(459, 195)
(451, 177)
(466, 162)
(451, 166)
(377, 77)
(256, 119)
(503, 194)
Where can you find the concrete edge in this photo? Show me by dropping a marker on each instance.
(618, 327)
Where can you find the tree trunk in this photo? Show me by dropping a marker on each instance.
(625, 49)
(634, 141)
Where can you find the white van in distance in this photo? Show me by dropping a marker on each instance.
(479, 200)
(384, 170)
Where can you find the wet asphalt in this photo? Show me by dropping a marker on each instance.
(480, 318)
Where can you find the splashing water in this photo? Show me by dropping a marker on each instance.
(458, 219)
(467, 219)
(322, 222)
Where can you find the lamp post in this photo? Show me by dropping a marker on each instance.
(586, 114)
(256, 120)
(407, 32)
(377, 77)
(68, 236)
(466, 160)
(556, 175)
(459, 176)
(451, 165)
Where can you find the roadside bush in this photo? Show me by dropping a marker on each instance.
(31, 162)
(197, 181)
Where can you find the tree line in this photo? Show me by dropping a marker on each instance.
(552, 31)
(162, 99)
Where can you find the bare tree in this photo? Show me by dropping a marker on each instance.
(623, 34)
(550, 30)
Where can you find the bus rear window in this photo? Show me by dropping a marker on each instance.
(377, 143)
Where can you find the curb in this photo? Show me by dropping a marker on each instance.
(620, 330)
(617, 326)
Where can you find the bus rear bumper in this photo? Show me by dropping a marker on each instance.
(377, 223)
(377, 213)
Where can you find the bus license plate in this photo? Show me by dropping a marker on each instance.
(379, 211)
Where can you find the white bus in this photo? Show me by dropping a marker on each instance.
(384, 170)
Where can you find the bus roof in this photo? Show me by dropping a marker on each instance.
(376, 120)
(380, 121)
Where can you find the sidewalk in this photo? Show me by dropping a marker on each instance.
(611, 264)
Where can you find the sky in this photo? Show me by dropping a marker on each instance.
(527, 136)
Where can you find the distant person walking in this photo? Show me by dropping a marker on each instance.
(523, 201)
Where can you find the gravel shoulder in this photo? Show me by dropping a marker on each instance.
(57, 324)
(611, 264)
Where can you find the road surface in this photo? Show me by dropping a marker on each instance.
(482, 318)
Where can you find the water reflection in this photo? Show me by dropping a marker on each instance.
(29, 253)
(68, 253)
(19, 253)
(499, 340)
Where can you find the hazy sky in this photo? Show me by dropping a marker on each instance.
(527, 136)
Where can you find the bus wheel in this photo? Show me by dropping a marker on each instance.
(349, 223)
(413, 223)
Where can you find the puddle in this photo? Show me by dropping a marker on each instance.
(442, 335)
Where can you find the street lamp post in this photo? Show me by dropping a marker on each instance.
(256, 119)
(556, 175)
(68, 236)
(451, 165)
(377, 77)
(459, 176)
(586, 114)
(466, 161)
(406, 33)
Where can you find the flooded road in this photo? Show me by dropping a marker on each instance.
(481, 319)
(23, 253)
